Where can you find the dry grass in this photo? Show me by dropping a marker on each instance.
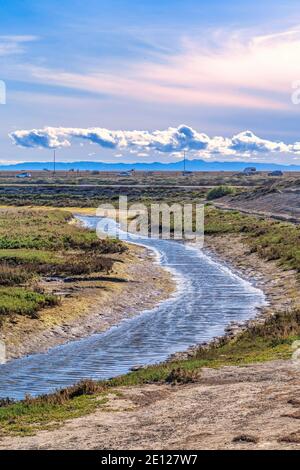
(245, 438)
(182, 376)
(12, 276)
(83, 388)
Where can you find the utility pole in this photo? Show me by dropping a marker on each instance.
(184, 161)
(54, 162)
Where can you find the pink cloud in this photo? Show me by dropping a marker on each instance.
(252, 73)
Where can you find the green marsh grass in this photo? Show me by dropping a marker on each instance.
(37, 243)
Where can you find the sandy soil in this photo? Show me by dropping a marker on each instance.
(254, 407)
(92, 305)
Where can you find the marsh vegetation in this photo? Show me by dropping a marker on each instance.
(35, 244)
(270, 239)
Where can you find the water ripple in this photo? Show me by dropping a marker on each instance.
(209, 296)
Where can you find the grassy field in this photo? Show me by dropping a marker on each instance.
(89, 189)
(152, 178)
(273, 340)
(93, 196)
(37, 243)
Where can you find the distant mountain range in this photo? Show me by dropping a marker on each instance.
(191, 165)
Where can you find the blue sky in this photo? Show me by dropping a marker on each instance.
(220, 68)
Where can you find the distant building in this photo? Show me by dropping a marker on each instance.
(276, 173)
(24, 175)
(251, 170)
(127, 173)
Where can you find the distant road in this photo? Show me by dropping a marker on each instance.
(167, 186)
(258, 213)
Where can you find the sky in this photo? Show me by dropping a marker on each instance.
(128, 80)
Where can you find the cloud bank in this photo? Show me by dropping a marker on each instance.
(172, 140)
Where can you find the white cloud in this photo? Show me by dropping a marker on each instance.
(170, 141)
(14, 44)
(41, 138)
(247, 142)
(139, 154)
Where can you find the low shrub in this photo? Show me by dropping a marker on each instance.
(17, 300)
(82, 388)
(218, 192)
(11, 276)
(182, 376)
(33, 262)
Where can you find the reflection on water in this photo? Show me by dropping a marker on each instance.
(208, 298)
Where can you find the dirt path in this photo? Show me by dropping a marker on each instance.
(254, 407)
(279, 206)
